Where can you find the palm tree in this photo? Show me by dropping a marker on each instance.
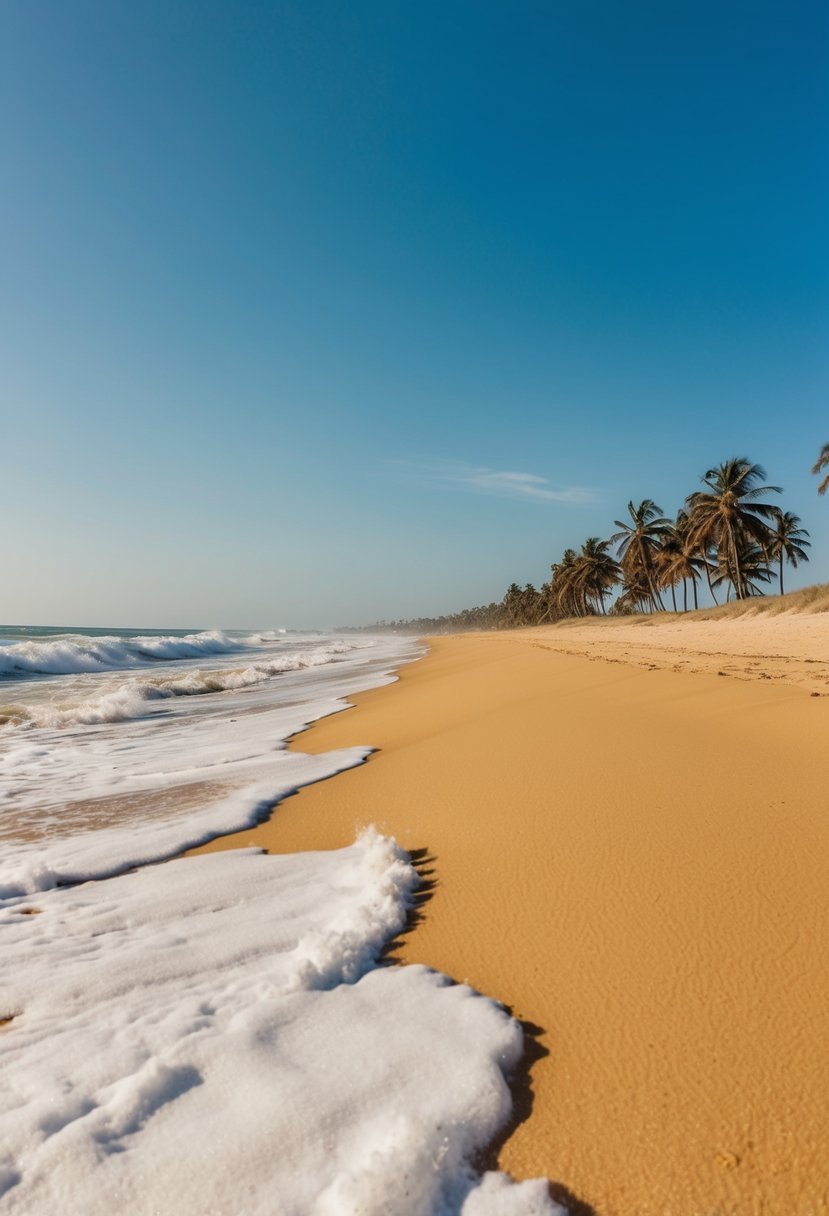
(754, 567)
(597, 572)
(563, 589)
(820, 464)
(546, 605)
(728, 518)
(665, 573)
(513, 604)
(788, 539)
(530, 605)
(639, 544)
(679, 561)
(635, 596)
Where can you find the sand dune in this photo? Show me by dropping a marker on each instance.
(632, 856)
(791, 648)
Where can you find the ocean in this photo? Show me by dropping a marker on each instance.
(218, 1034)
(112, 728)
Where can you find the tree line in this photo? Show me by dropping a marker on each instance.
(488, 616)
(727, 536)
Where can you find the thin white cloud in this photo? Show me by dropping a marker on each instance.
(527, 486)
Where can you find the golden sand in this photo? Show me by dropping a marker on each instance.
(634, 860)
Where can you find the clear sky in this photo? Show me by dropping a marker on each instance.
(316, 312)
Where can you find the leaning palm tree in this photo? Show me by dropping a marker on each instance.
(820, 464)
(666, 575)
(545, 604)
(512, 605)
(691, 563)
(754, 570)
(636, 596)
(680, 562)
(728, 517)
(788, 540)
(531, 605)
(597, 573)
(563, 590)
(638, 545)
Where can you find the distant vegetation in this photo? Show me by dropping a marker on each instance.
(727, 536)
(490, 616)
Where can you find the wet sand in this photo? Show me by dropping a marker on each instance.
(633, 858)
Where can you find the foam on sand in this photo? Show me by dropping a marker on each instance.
(217, 1035)
(100, 854)
(213, 1035)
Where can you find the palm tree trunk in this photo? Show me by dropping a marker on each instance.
(694, 585)
(658, 602)
(673, 596)
(685, 595)
(708, 576)
(737, 574)
(649, 575)
(781, 573)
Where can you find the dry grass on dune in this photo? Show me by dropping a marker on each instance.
(807, 600)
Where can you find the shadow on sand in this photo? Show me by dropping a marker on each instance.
(422, 861)
(521, 1088)
(520, 1082)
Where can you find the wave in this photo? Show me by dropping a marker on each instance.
(76, 654)
(269, 635)
(134, 698)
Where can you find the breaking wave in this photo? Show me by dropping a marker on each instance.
(74, 654)
(135, 698)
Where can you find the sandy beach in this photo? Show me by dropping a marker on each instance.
(629, 851)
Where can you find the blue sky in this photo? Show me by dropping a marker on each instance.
(324, 312)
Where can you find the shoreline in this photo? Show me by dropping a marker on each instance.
(631, 859)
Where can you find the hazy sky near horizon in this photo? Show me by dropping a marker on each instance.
(327, 312)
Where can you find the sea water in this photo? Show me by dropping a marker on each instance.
(165, 738)
(217, 1034)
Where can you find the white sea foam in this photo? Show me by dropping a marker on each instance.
(136, 698)
(213, 1035)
